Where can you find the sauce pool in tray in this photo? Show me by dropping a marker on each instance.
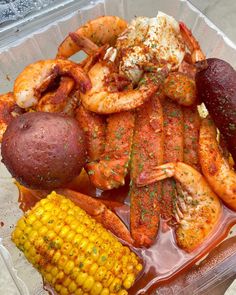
(164, 259)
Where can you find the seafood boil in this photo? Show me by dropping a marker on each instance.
(116, 156)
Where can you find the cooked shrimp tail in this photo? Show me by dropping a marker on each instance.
(192, 44)
(84, 43)
(197, 208)
(102, 30)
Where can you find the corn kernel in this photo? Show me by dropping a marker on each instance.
(72, 287)
(128, 282)
(67, 282)
(45, 218)
(68, 267)
(93, 237)
(70, 217)
(33, 236)
(66, 248)
(54, 271)
(87, 263)
(139, 267)
(56, 257)
(27, 245)
(74, 224)
(102, 259)
(37, 224)
(42, 230)
(80, 229)
(50, 235)
(93, 269)
(64, 207)
(48, 206)
(75, 273)
(70, 236)
(39, 212)
(115, 286)
(17, 233)
(58, 242)
(88, 284)
(58, 287)
(48, 277)
(77, 239)
(57, 226)
(116, 268)
(62, 215)
(64, 231)
(100, 273)
(123, 292)
(79, 292)
(109, 280)
(81, 278)
(62, 262)
(64, 291)
(105, 291)
(21, 223)
(83, 244)
(96, 289)
(60, 276)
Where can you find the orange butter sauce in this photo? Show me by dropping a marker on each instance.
(164, 260)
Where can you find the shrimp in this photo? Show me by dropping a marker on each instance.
(215, 167)
(198, 209)
(173, 152)
(100, 99)
(8, 111)
(55, 101)
(113, 166)
(101, 31)
(192, 44)
(94, 128)
(180, 88)
(147, 152)
(37, 77)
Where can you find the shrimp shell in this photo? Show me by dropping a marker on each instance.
(203, 208)
(100, 100)
(100, 31)
(216, 169)
(30, 80)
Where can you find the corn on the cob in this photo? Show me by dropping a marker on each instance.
(73, 252)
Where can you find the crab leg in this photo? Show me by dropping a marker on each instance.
(94, 128)
(191, 136)
(147, 152)
(112, 168)
(100, 212)
(173, 152)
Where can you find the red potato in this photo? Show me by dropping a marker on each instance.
(43, 150)
(216, 87)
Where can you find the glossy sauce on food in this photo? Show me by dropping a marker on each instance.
(163, 260)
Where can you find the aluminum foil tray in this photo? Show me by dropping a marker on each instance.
(37, 37)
